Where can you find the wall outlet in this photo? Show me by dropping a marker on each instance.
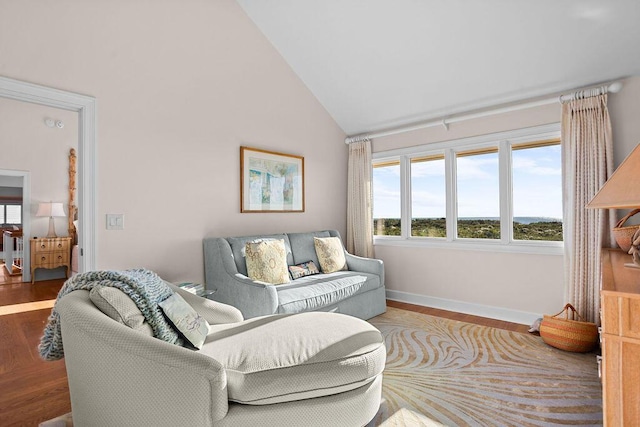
(115, 221)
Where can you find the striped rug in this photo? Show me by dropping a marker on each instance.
(445, 372)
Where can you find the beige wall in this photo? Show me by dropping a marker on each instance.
(179, 87)
(498, 284)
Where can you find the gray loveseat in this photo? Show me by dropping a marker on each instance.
(358, 291)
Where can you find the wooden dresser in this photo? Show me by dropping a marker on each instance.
(50, 253)
(620, 340)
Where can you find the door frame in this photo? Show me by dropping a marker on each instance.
(85, 106)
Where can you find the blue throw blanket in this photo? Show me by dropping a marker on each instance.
(144, 287)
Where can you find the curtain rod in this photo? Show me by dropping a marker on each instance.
(614, 87)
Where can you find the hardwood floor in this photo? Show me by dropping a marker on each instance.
(32, 390)
(484, 321)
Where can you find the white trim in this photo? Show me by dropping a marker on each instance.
(506, 314)
(515, 136)
(85, 106)
(478, 245)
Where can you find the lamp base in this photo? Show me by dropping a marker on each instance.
(52, 229)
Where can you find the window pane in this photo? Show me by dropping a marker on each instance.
(14, 214)
(2, 214)
(537, 192)
(478, 190)
(428, 197)
(386, 199)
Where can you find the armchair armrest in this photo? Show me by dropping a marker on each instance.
(366, 265)
(251, 298)
(214, 312)
(128, 378)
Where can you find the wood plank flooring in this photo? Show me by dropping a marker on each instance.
(32, 390)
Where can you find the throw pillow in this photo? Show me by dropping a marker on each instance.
(303, 269)
(185, 319)
(118, 306)
(267, 261)
(330, 254)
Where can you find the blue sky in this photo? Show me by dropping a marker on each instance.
(537, 186)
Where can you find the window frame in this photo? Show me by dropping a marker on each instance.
(503, 141)
(4, 204)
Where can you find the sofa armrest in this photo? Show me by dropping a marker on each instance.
(251, 298)
(118, 374)
(214, 312)
(366, 265)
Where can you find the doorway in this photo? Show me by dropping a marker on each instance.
(85, 106)
(14, 225)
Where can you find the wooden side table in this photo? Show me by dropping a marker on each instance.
(620, 340)
(50, 253)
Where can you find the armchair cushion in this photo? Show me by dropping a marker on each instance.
(284, 358)
(185, 319)
(118, 306)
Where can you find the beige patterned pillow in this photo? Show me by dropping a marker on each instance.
(330, 254)
(267, 261)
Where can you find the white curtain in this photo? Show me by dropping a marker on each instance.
(587, 152)
(359, 200)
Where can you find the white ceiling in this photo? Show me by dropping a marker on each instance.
(376, 64)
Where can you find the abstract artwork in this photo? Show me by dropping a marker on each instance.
(270, 181)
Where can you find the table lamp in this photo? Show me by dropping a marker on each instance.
(622, 191)
(51, 209)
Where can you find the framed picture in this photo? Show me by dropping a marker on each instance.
(270, 181)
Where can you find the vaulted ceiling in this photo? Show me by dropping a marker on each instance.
(376, 64)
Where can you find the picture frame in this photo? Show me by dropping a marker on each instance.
(270, 181)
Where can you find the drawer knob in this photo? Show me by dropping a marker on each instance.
(42, 246)
(43, 258)
(59, 256)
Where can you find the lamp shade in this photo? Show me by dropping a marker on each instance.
(622, 190)
(50, 209)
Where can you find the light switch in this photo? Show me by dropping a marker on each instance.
(115, 221)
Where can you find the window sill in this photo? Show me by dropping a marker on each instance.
(533, 247)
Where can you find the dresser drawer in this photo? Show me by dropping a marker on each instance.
(48, 245)
(49, 259)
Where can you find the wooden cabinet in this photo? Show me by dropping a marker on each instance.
(50, 253)
(620, 340)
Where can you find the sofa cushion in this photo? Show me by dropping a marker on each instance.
(303, 248)
(238, 248)
(118, 306)
(185, 319)
(316, 292)
(267, 261)
(303, 269)
(330, 254)
(284, 358)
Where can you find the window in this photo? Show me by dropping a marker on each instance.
(386, 198)
(478, 189)
(428, 196)
(501, 190)
(537, 191)
(10, 214)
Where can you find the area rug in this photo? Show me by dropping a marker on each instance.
(445, 372)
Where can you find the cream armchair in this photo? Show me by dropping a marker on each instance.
(311, 369)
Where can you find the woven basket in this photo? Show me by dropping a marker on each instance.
(624, 235)
(569, 334)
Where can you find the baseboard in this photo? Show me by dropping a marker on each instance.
(514, 316)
